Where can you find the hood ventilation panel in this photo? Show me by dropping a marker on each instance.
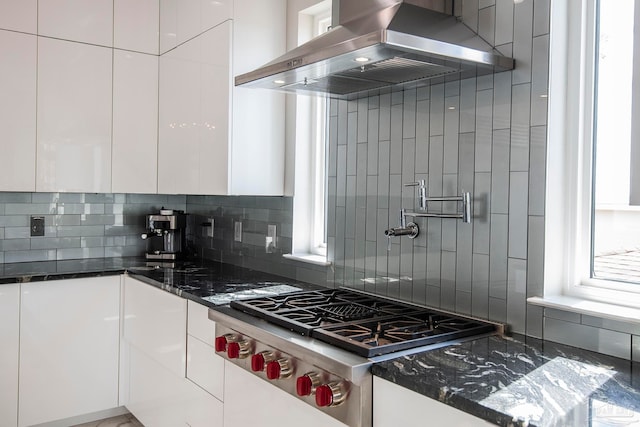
(394, 43)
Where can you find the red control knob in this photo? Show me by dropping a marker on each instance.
(280, 368)
(306, 384)
(221, 343)
(324, 396)
(260, 360)
(331, 394)
(257, 362)
(238, 349)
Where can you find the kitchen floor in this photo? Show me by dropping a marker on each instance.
(127, 420)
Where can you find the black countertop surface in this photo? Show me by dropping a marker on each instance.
(508, 381)
(523, 381)
(206, 282)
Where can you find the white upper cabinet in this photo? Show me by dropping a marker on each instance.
(19, 15)
(77, 20)
(74, 117)
(194, 115)
(136, 25)
(215, 138)
(135, 122)
(181, 20)
(257, 152)
(18, 54)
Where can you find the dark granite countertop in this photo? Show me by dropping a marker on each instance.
(523, 381)
(206, 282)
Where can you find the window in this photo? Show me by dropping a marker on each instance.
(310, 195)
(592, 220)
(616, 214)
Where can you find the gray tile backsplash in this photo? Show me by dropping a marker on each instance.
(77, 225)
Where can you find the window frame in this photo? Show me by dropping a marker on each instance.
(569, 193)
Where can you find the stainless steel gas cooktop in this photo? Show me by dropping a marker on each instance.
(361, 323)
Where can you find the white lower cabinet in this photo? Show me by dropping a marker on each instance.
(9, 337)
(394, 405)
(249, 401)
(172, 379)
(69, 348)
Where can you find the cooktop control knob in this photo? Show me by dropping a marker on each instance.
(331, 394)
(259, 360)
(238, 349)
(307, 384)
(279, 368)
(221, 341)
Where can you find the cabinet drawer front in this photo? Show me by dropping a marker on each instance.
(155, 323)
(205, 367)
(198, 323)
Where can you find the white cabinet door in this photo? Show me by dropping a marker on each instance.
(69, 338)
(203, 410)
(18, 53)
(134, 167)
(74, 116)
(249, 401)
(9, 337)
(155, 322)
(394, 406)
(257, 146)
(77, 20)
(194, 115)
(158, 397)
(205, 367)
(181, 20)
(136, 25)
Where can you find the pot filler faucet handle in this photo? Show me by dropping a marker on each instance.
(422, 193)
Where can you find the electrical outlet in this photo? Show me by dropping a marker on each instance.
(37, 226)
(210, 228)
(237, 231)
(270, 241)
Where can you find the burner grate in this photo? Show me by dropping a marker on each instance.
(349, 312)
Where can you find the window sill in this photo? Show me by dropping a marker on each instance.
(309, 258)
(588, 307)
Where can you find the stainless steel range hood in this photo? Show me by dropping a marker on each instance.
(386, 43)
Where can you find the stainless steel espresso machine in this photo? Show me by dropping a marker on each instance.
(165, 235)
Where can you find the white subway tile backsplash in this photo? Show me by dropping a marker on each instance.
(352, 146)
(535, 321)
(422, 136)
(363, 116)
(372, 142)
(470, 14)
(612, 325)
(395, 154)
(635, 348)
(448, 281)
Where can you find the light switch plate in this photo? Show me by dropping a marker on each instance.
(237, 231)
